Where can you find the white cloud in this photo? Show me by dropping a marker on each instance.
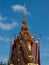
(2, 18)
(46, 38)
(8, 26)
(45, 52)
(1, 38)
(45, 55)
(6, 39)
(4, 60)
(20, 8)
(45, 49)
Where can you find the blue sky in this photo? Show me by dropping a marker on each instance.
(11, 17)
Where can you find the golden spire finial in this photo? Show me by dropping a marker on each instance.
(24, 12)
(24, 27)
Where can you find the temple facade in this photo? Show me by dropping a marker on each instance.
(25, 49)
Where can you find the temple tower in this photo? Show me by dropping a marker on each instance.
(25, 50)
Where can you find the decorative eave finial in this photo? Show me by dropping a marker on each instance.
(34, 35)
(39, 38)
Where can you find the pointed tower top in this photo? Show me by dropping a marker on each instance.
(24, 12)
(24, 27)
(24, 21)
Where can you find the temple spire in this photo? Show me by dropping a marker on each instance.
(24, 21)
(24, 12)
(24, 27)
